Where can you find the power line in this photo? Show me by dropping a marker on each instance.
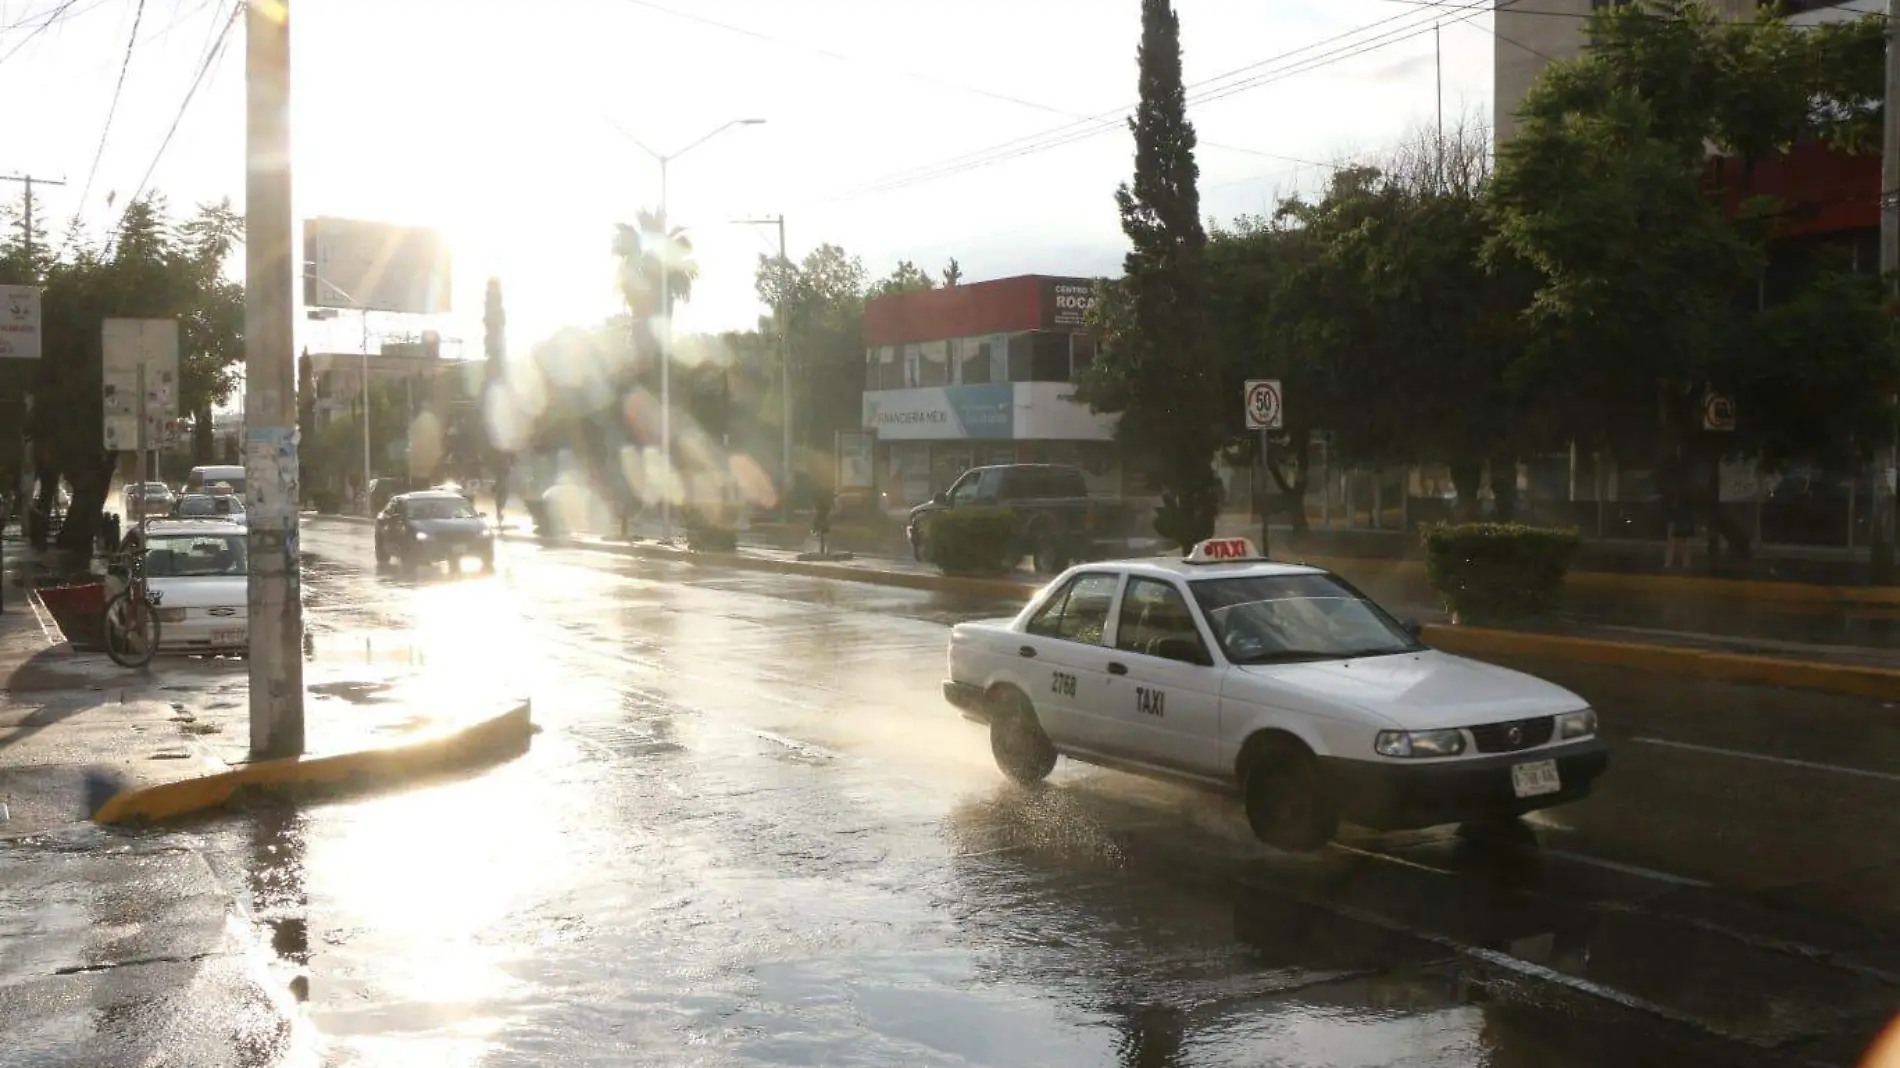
(942, 83)
(57, 15)
(1074, 132)
(211, 58)
(85, 190)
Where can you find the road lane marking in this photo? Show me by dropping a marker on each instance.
(1791, 762)
(1629, 869)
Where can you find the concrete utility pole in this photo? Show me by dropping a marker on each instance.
(784, 373)
(27, 180)
(270, 401)
(1882, 520)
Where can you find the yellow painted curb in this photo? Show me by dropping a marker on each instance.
(1713, 665)
(1686, 586)
(486, 742)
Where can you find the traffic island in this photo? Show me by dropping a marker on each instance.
(459, 750)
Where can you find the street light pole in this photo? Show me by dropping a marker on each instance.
(784, 371)
(666, 316)
(1881, 552)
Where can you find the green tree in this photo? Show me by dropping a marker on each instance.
(1645, 287)
(823, 297)
(154, 269)
(952, 274)
(1154, 366)
(640, 251)
(906, 278)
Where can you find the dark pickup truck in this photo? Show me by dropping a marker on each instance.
(1057, 522)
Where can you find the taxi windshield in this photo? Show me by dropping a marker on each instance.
(1269, 619)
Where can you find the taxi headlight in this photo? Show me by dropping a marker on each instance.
(1572, 725)
(422, 535)
(1419, 743)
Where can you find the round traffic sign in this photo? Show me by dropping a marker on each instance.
(1263, 404)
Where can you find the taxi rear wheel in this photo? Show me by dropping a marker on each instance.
(1288, 804)
(1022, 750)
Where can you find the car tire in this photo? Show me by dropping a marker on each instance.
(1288, 803)
(1049, 557)
(383, 559)
(917, 545)
(488, 561)
(1022, 750)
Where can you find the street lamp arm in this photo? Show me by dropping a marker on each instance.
(636, 142)
(715, 133)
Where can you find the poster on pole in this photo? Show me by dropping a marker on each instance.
(20, 323)
(132, 346)
(1265, 407)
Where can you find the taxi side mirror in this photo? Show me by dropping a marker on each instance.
(1413, 628)
(941, 498)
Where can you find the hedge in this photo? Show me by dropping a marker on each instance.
(702, 537)
(971, 541)
(1497, 572)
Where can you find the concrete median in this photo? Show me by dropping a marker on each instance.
(477, 745)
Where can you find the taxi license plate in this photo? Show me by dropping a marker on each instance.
(1535, 779)
(237, 636)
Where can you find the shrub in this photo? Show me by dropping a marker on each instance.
(704, 537)
(1494, 572)
(971, 541)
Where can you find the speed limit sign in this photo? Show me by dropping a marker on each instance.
(1264, 410)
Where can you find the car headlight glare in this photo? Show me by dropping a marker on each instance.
(1572, 725)
(422, 535)
(1440, 743)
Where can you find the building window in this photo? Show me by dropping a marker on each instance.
(999, 357)
(933, 363)
(1049, 357)
(973, 360)
(913, 355)
(885, 372)
(1081, 354)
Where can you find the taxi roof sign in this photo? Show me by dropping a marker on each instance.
(1223, 550)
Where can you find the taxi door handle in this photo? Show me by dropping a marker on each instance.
(1028, 651)
(1118, 669)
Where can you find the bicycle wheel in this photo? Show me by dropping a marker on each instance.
(131, 630)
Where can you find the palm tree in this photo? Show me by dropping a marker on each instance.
(642, 249)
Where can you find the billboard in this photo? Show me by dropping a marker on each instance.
(374, 266)
(19, 323)
(132, 346)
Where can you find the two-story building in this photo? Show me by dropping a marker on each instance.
(981, 373)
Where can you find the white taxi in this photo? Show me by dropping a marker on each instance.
(197, 567)
(1275, 681)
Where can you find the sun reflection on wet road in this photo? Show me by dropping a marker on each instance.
(751, 833)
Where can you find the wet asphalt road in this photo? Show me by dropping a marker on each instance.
(751, 832)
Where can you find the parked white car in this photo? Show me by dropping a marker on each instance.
(198, 569)
(1278, 682)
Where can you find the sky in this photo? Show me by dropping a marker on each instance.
(898, 129)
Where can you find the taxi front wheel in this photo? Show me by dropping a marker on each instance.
(1022, 750)
(1288, 804)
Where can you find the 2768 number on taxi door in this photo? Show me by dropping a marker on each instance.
(1062, 683)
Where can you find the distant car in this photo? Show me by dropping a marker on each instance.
(203, 479)
(433, 526)
(148, 499)
(207, 506)
(1057, 521)
(1277, 682)
(198, 568)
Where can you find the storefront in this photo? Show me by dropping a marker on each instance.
(981, 374)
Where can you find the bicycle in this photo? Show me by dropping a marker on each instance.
(131, 617)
